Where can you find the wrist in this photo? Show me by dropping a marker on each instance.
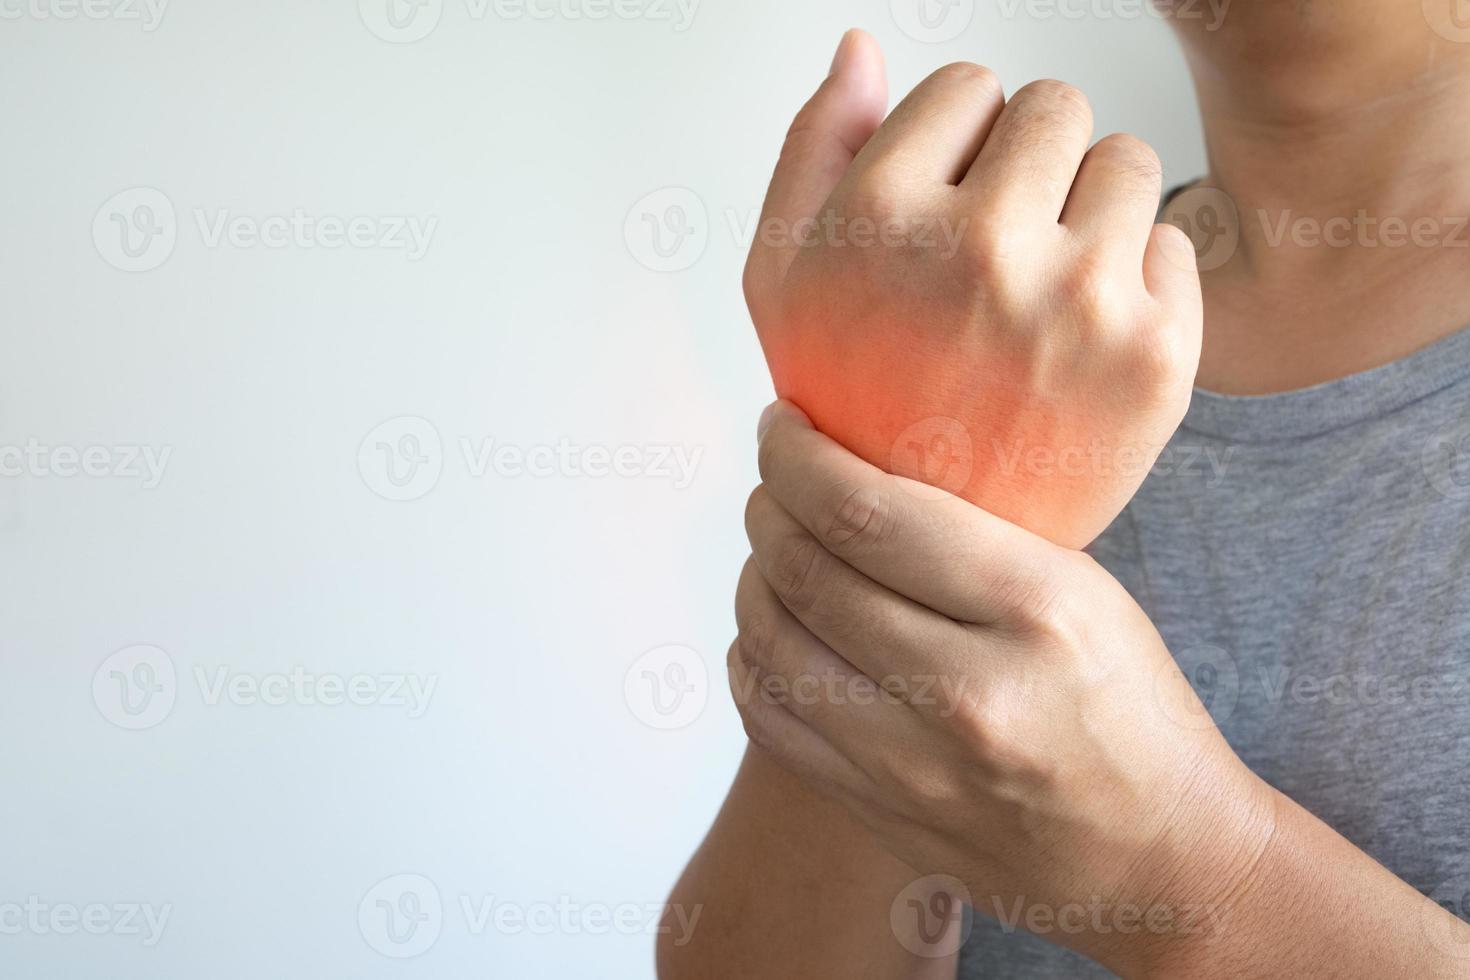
(1198, 880)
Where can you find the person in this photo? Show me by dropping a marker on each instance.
(1230, 736)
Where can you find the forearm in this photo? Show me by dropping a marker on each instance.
(1315, 905)
(791, 886)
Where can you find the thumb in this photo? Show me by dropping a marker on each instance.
(1171, 275)
(826, 134)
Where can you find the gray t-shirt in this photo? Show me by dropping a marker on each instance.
(1304, 556)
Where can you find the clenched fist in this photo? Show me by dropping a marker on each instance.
(966, 294)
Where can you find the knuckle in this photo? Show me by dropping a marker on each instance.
(806, 133)
(876, 192)
(858, 519)
(1059, 99)
(1092, 285)
(756, 642)
(1127, 152)
(930, 790)
(754, 505)
(1132, 169)
(806, 143)
(741, 676)
(1035, 601)
(756, 723)
(968, 75)
(991, 247)
(765, 455)
(797, 572)
(994, 733)
(1154, 354)
(971, 710)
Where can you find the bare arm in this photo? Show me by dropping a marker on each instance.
(964, 335)
(792, 886)
(1107, 800)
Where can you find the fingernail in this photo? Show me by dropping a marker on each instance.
(767, 417)
(843, 55)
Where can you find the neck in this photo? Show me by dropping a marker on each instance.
(1337, 131)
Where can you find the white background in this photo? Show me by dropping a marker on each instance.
(531, 778)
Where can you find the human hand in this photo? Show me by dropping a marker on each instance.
(991, 706)
(968, 296)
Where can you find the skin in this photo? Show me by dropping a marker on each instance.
(1324, 110)
(1060, 690)
(1023, 303)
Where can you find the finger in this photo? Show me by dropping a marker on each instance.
(936, 549)
(1171, 276)
(878, 631)
(786, 738)
(1026, 168)
(808, 678)
(936, 132)
(825, 136)
(1114, 201)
